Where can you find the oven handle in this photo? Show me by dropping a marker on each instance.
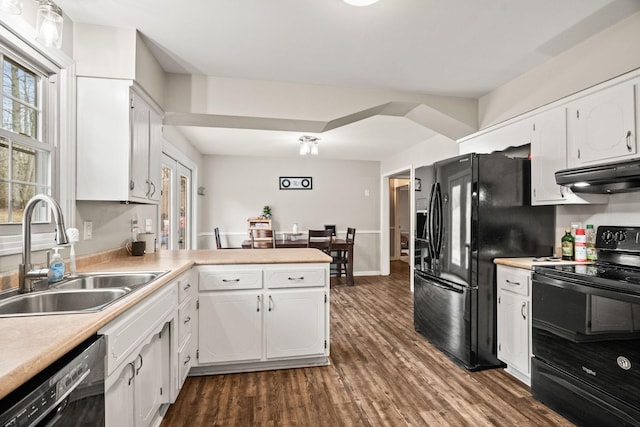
(584, 287)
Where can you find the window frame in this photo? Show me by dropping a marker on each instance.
(57, 121)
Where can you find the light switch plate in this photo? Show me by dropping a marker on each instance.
(88, 230)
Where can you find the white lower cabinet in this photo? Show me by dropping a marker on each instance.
(295, 323)
(138, 364)
(514, 320)
(276, 316)
(230, 327)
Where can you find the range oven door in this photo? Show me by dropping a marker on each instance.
(586, 338)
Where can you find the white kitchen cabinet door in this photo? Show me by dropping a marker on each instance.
(602, 126)
(119, 399)
(548, 155)
(140, 137)
(230, 327)
(513, 330)
(149, 381)
(295, 323)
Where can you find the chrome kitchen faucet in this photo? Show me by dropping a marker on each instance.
(26, 274)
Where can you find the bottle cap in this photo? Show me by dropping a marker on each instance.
(567, 230)
(589, 226)
(580, 231)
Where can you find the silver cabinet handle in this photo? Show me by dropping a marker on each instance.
(296, 278)
(230, 280)
(187, 287)
(270, 303)
(153, 189)
(187, 360)
(629, 147)
(513, 283)
(187, 320)
(258, 305)
(523, 310)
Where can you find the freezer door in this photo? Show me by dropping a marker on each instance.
(443, 313)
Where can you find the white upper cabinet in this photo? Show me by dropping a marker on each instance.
(602, 126)
(119, 134)
(549, 155)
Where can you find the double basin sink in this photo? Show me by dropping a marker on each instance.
(81, 293)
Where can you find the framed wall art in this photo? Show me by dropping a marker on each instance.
(296, 183)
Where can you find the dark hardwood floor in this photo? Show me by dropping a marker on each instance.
(382, 373)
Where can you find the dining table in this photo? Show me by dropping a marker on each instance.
(336, 245)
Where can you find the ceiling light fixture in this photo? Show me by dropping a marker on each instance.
(49, 24)
(360, 2)
(308, 145)
(49, 21)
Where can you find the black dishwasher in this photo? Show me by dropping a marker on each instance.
(70, 392)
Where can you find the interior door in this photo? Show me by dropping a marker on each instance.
(175, 205)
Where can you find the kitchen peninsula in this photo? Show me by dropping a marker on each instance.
(32, 343)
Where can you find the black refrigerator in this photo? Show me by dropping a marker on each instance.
(471, 209)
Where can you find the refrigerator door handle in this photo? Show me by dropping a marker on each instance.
(429, 223)
(439, 234)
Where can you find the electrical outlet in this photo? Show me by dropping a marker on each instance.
(88, 230)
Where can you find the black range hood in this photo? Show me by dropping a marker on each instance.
(608, 178)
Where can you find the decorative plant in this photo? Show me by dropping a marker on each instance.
(266, 211)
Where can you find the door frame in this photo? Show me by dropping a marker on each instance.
(180, 157)
(385, 258)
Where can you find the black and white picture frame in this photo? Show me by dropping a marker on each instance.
(296, 183)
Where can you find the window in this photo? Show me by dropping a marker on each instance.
(25, 154)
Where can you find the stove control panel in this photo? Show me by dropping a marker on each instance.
(613, 238)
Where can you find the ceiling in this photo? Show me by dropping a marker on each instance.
(463, 48)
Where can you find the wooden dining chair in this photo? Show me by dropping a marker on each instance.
(341, 258)
(320, 239)
(216, 231)
(263, 239)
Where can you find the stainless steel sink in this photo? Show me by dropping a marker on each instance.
(108, 280)
(59, 302)
(81, 293)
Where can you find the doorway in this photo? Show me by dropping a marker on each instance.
(175, 205)
(399, 216)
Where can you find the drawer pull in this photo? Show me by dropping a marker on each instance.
(187, 287)
(258, 305)
(296, 278)
(187, 360)
(523, 310)
(270, 303)
(230, 280)
(187, 320)
(513, 283)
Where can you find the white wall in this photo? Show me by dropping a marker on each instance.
(438, 147)
(608, 54)
(238, 187)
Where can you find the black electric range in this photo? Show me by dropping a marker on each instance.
(586, 333)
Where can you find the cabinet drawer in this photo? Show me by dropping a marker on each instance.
(186, 285)
(515, 280)
(213, 279)
(185, 320)
(294, 277)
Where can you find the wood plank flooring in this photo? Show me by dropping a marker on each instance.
(382, 373)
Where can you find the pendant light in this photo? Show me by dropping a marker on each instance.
(49, 21)
(49, 24)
